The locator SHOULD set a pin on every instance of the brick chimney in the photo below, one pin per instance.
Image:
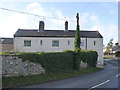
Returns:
(66, 26)
(41, 26)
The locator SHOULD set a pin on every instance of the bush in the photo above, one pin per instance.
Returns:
(53, 61)
(118, 54)
(90, 57)
(62, 61)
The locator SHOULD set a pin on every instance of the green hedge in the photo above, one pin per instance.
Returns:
(52, 62)
(62, 61)
(90, 57)
(118, 54)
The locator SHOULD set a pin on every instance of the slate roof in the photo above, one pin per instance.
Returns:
(55, 33)
(6, 40)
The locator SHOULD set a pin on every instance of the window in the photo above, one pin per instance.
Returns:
(94, 42)
(68, 42)
(55, 43)
(82, 44)
(27, 42)
(40, 42)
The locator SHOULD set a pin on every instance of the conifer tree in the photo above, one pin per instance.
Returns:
(77, 36)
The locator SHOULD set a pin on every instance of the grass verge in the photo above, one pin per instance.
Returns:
(109, 57)
(10, 82)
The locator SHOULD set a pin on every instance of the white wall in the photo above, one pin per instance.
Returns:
(119, 37)
(97, 47)
(63, 45)
(46, 44)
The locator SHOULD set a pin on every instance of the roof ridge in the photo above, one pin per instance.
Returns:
(55, 33)
(58, 30)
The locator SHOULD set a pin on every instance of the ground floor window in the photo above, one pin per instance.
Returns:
(27, 43)
(55, 43)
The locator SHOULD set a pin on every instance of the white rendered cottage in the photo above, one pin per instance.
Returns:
(40, 40)
(119, 37)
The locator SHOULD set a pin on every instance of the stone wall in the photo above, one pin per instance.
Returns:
(14, 66)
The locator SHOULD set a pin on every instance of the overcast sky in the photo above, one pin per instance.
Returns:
(100, 16)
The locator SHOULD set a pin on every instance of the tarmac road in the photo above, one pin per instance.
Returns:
(106, 78)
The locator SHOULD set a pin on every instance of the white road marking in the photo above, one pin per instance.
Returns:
(100, 84)
(118, 75)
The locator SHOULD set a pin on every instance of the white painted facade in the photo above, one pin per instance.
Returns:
(63, 45)
(119, 37)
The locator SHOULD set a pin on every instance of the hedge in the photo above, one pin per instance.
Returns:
(62, 61)
(52, 62)
(118, 54)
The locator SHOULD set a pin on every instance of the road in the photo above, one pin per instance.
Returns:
(106, 78)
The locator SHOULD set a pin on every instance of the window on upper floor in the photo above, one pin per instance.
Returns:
(82, 44)
(41, 42)
(27, 43)
(68, 42)
(55, 43)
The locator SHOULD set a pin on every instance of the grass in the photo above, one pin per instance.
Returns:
(109, 57)
(10, 82)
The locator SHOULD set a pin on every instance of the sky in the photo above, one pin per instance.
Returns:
(95, 16)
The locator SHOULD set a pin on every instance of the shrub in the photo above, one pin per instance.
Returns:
(62, 61)
(118, 54)
(90, 57)
(52, 61)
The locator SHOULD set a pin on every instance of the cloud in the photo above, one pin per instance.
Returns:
(36, 8)
(11, 24)
(108, 31)
(14, 21)
(85, 20)
(50, 22)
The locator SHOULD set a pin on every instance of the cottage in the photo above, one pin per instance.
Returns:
(41, 40)
(6, 45)
(119, 40)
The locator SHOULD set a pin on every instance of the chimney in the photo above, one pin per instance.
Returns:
(66, 26)
(41, 26)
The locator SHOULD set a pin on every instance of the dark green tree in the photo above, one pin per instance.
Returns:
(77, 36)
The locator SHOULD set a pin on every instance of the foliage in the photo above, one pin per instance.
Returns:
(62, 61)
(118, 54)
(77, 37)
(108, 57)
(90, 57)
(12, 53)
(52, 61)
(109, 46)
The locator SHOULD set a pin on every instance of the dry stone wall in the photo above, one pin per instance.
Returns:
(14, 66)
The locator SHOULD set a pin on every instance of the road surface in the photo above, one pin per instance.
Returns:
(106, 78)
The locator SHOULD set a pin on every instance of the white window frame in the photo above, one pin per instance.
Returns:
(27, 45)
(53, 41)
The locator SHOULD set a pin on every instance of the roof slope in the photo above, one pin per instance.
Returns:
(6, 40)
(56, 33)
